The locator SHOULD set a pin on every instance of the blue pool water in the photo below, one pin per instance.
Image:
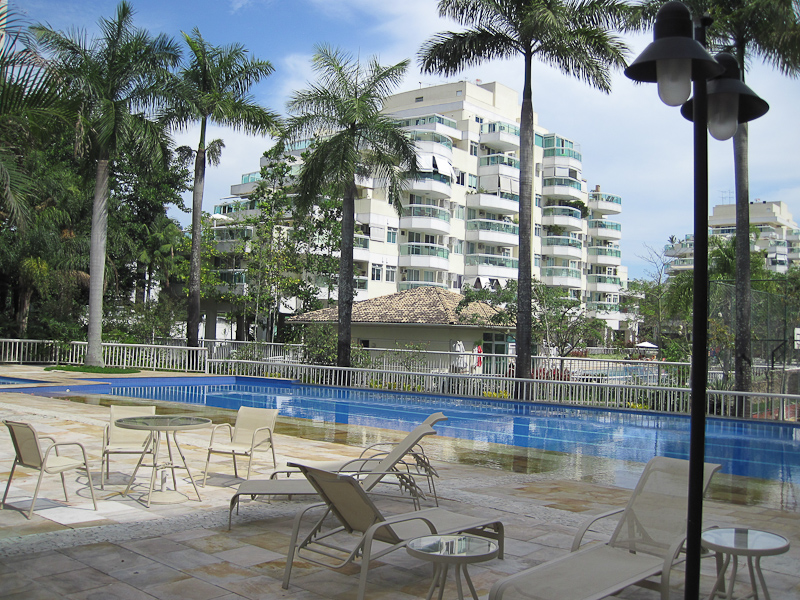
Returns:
(754, 449)
(16, 380)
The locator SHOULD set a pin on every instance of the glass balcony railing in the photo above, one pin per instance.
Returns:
(489, 225)
(431, 136)
(601, 197)
(561, 272)
(561, 211)
(424, 175)
(251, 177)
(359, 283)
(433, 212)
(500, 126)
(567, 152)
(491, 260)
(601, 251)
(500, 159)
(557, 240)
(419, 249)
(610, 279)
(603, 224)
(410, 285)
(562, 181)
(603, 306)
(361, 241)
(428, 120)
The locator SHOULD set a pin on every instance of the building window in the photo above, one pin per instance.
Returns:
(538, 200)
(472, 181)
(391, 273)
(537, 230)
(473, 149)
(459, 92)
(418, 99)
(391, 235)
(461, 178)
(478, 119)
(377, 272)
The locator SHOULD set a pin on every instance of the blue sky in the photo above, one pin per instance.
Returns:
(632, 144)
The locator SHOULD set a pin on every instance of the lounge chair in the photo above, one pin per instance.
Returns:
(29, 453)
(346, 500)
(117, 440)
(646, 542)
(372, 466)
(251, 433)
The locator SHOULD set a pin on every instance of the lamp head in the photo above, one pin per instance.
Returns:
(730, 101)
(674, 59)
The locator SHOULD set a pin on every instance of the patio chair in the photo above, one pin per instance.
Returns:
(347, 501)
(117, 440)
(372, 466)
(31, 454)
(251, 433)
(645, 543)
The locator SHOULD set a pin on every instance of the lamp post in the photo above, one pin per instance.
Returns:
(676, 59)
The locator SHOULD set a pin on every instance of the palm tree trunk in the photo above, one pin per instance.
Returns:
(526, 159)
(193, 308)
(24, 309)
(97, 265)
(346, 276)
(743, 359)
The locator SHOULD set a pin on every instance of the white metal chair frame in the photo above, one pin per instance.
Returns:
(46, 463)
(254, 445)
(112, 433)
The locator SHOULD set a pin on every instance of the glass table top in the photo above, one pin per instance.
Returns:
(466, 546)
(741, 540)
(163, 422)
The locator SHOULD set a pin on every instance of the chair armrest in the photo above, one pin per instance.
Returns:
(62, 445)
(106, 435)
(576, 542)
(214, 431)
(253, 444)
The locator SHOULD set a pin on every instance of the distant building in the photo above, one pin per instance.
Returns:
(459, 223)
(779, 236)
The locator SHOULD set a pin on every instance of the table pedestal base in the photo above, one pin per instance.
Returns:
(440, 579)
(756, 578)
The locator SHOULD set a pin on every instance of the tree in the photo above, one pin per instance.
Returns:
(215, 87)
(768, 30)
(353, 139)
(571, 36)
(117, 79)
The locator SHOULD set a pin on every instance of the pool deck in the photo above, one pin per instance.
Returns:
(127, 551)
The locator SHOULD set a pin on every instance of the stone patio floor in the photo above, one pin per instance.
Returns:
(175, 551)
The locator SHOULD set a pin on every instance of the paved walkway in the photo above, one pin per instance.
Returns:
(127, 551)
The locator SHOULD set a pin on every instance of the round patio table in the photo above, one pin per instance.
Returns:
(445, 550)
(729, 543)
(156, 425)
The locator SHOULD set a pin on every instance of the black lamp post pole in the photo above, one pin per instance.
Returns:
(694, 526)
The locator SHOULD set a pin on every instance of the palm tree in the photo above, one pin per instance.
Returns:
(767, 30)
(215, 87)
(116, 78)
(353, 139)
(570, 35)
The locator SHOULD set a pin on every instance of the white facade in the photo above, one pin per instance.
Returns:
(459, 224)
(778, 236)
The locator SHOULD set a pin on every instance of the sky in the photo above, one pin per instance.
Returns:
(633, 145)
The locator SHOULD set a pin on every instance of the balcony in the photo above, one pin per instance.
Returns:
(425, 256)
(562, 187)
(603, 255)
(603, 283)
(681, 264)
(605, 230)
(499, 165)
(561, 277)
(438, 123)
(491, 265)
(434, 185)
(602, 307)
(503, 203)
(496, 233)
(605, 204)
(361, 248)
(680, 248)
(426, 219)
(410, 285)
(562, 246)
(500, 136)
(565, 217)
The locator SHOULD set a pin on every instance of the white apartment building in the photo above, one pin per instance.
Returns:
(459, 223)
(779, 236)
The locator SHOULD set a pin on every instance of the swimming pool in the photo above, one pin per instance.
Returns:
(16, 380)
(753, 449)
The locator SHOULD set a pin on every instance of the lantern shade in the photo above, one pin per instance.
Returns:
(751, 106)
(673, 39)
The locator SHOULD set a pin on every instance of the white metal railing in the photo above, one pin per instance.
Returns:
(750, 405)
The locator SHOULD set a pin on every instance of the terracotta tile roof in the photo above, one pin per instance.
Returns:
(426, 305)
